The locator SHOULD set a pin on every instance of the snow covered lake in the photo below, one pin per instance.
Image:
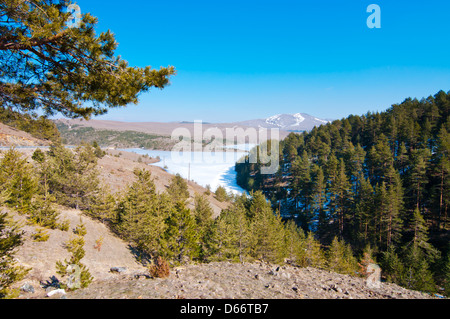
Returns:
(205, 168)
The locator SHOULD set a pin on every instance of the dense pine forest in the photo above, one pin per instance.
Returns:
(377, 182)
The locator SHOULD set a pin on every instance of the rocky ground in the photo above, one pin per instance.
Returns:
(224, 280)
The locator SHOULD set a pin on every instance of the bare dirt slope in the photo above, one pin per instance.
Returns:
(12, 137)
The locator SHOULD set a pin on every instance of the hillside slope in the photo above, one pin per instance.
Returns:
(10, 136)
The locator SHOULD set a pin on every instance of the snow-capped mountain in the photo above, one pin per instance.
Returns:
(288, 122)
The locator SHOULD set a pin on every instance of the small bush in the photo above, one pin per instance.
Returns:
(40, 236)
(160, 269)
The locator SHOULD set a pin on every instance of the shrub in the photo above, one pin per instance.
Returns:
(160, 269)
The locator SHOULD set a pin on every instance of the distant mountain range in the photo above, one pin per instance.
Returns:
(117, 133)
(287, 122)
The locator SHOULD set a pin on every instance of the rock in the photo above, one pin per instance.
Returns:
(118, 269)
(56, 292)
(27, 288)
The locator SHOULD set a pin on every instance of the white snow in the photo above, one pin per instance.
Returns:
(204, 168)
(273, 120)
(298, 119)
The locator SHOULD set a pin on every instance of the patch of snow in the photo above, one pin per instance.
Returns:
(273, 120)
(322, 121)
(298, 119)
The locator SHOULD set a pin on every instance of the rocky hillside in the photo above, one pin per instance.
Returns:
(12, 137)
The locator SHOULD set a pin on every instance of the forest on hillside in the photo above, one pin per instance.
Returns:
(380, 180)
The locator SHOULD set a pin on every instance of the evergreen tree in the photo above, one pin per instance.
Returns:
(267, 230)
(314, 256)
(231, 237)
(418, 176)
(178, 189)
(10, 239)
(340, 200)
(180, 236)
(392, 265)
(51, 66)
(221, 194)
(202, 211)
(17, 180)
(318, 200)
(73, 176)
(441, 171)
(420, 239)
(417, 273)
(141, 215)
(340, 258)
(75, 246)
(295, 243)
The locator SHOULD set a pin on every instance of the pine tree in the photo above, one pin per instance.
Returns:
(340, 258)
(178, 189)
(318, 200)
(295, 243)
(420, 239)
(202, 211)
(75, 246)
(231, 238)
(340, 200)
(10, 239)
(314, 256)
(392, 265)
(44, 214)
(441, 171)
(51, 66)
(418, 176)
(17, 180)
(180, 237)
(73, 176)
(267, 230)
(417, 273)
(221, 194)
(141, 215)
(363, 226)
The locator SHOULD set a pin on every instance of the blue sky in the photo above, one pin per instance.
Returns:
(240, 60)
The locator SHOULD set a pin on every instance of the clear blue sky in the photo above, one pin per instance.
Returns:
(239, 60)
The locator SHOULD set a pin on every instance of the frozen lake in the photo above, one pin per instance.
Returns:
(205, 168)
